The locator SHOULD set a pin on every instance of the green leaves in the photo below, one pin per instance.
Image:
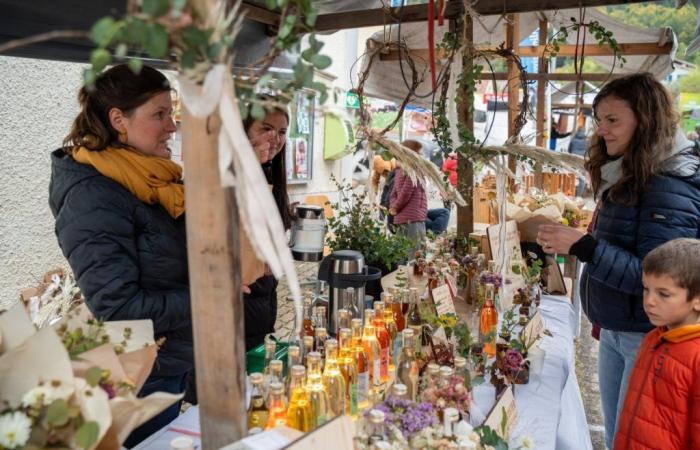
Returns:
(93, 376)
(99, 58)
(102, 31)
(155, 8)
(87, 434)
(157, 45)
(57, 413)
(321, 61)
(135, 65)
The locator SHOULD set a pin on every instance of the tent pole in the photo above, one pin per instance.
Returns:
(541, 107)
(512, 43)
(465, 168)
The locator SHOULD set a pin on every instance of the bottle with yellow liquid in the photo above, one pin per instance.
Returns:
(257, 411)
(300, 414)
(308, 347)
(333, 380)
(347, 366)
(384, 340)
(320, 344)
(277, 411)
(270, 349)
(293, 359)
(318, 396)
(359, 354)
(488, 320)
(371, 345)
(408, 372)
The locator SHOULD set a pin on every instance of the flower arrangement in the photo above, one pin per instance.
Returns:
(408, 416)
(50, 416)
(453, 394)
(53, 298)
(487, 277)
(572, 218)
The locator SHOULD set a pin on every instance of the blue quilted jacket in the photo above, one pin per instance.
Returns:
(611, 284)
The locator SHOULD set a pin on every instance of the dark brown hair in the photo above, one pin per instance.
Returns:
(118, 87)
(657, 121)
(276, 170)
(678, 259)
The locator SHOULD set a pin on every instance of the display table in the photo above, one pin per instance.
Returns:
(550, 410)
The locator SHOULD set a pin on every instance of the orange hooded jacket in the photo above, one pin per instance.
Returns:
(662, 406)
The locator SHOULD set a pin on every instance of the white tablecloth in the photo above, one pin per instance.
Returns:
(550, 410)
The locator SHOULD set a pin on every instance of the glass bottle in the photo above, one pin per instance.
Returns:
(359, 354)
(348, 369)
(394, 340)
(371, 345)
(413, 319)
(333, 379)
(308, 319)
(343, 319)
(321, 318)
(308, 343)
(473, 271)
(257, 411)
(446, 373)
(277, 411)
(350, 303)
(377, 428)
(399, 391)
(461, 368)
(384, 340)
(270, 349)
(399, 319)
(408, 372)
(299, 414)
(316, 390)
(293, 359)
(320, 343)
(432, 374)
(488, 320)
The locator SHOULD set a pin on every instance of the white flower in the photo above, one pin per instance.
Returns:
(14, 429)
(526, 442)
(48, 393)
(34, 397)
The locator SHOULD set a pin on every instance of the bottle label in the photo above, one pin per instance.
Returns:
(396, 351)
(376, 371)
(362, 387)
(353, 399)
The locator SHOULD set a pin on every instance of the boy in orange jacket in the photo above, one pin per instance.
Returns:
(662, 406)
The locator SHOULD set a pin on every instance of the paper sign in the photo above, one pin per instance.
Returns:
(337, 434)
(503, 412)
(452, 284)
(443, 300)
(512, 242)
(533, 330)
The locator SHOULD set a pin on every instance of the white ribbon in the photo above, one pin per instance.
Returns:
(239, 166)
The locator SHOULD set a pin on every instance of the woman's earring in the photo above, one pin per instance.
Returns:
(123, 136)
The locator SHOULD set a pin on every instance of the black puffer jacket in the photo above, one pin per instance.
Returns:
(129, 258)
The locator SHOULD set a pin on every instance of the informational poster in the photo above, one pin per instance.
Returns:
(299, 150)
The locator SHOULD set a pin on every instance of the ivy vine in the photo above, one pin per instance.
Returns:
(172, 30)
(603, 37)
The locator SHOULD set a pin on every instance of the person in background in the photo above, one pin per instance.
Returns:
(119, 206)
(645, 177)
(449, 166)
(579, 146)
(554, 134)
(409, 204)
(662, 405)
(268, 137)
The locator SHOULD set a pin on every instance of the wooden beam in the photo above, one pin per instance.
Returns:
(541, 119)
(215, 288)
(536, 51)
(598, 50)
(419, 13)
(382, 16)
(465, 167)
(260, 14)
(555, 76)
(571, 106)
(512, 41)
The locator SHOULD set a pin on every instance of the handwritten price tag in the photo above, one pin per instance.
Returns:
(443, 300)
(534, 329)
(504, 414)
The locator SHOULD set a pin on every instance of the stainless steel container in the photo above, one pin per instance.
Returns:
(308, 233)
(346, 274)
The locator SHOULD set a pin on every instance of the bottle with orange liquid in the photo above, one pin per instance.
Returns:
(348, 369)
(372, 348)
(488, 320)
(384, 339)
(394, 304)
(308, 320)
(277, 411)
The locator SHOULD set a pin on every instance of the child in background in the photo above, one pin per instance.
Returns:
(662, 405)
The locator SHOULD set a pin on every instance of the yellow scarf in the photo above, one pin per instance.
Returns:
(150, 178)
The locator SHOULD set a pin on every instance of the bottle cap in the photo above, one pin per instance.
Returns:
(298, 371)
(276, 388)
(256, 377)
(182, 443)
(399, 390)
(376, 416)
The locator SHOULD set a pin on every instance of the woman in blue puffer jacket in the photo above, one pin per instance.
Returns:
(646, 178)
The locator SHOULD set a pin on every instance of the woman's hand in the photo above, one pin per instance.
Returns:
(557, 238)
(261, 145)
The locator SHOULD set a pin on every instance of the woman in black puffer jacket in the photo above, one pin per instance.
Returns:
(646, 177)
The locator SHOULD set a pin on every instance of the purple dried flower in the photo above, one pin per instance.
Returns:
(492, 278)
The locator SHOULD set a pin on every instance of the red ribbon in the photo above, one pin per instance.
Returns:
(431, 41)
(441, 12)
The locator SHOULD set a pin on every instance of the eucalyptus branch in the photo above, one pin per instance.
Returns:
(43, 37)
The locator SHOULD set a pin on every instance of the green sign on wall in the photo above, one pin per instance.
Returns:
(352, 100)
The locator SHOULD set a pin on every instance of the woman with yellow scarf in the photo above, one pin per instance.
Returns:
(119, 206)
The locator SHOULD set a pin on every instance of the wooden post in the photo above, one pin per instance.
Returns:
(215, 287)
(465, 168)
(542, 68)
(513, 42)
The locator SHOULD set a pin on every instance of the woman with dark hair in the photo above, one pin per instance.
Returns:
(119, 206)
(646, 178)
(268, 137)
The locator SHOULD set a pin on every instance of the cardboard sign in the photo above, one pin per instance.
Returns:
(452, 284)
(512, 243)
(503, 412)
(534, 329)
(443, 300)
